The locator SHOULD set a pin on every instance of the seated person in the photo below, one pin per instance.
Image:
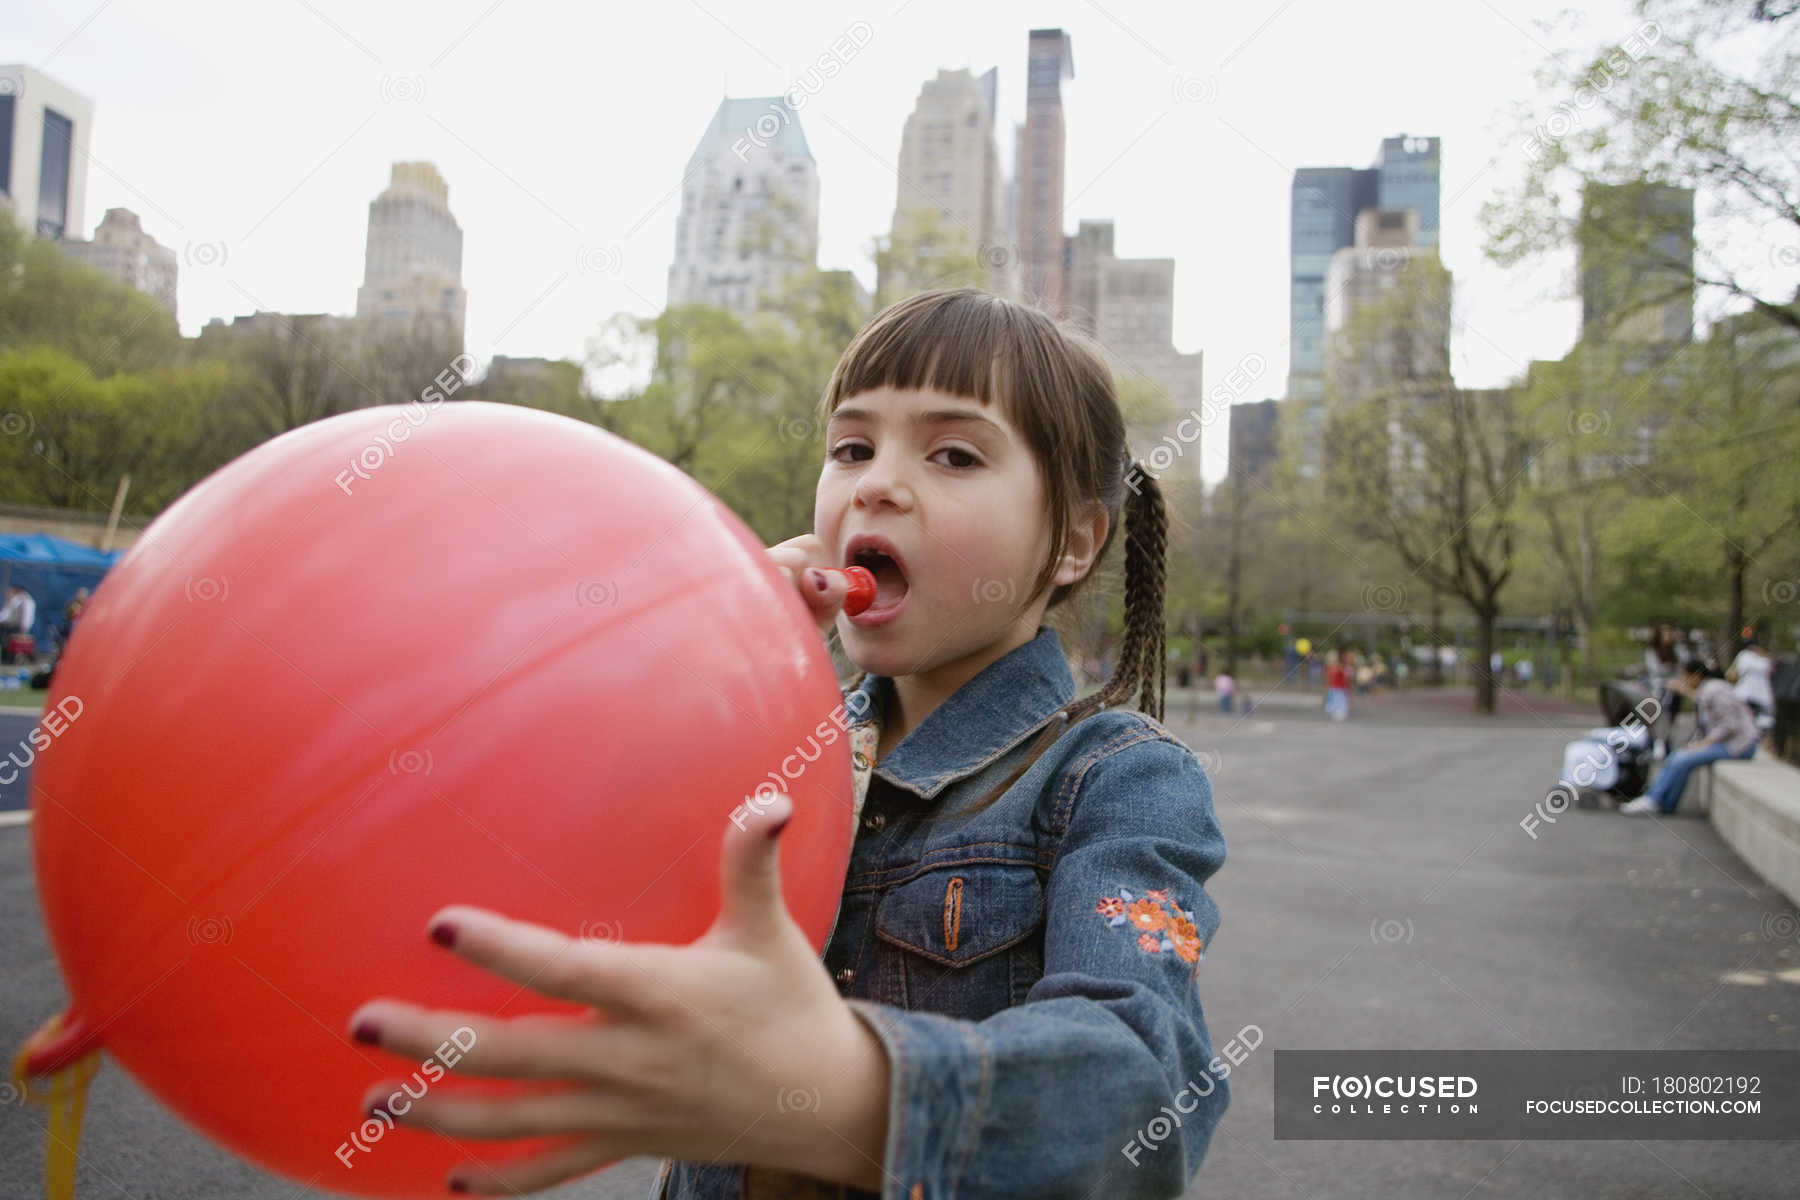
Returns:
(17, 616)
(1726, 730)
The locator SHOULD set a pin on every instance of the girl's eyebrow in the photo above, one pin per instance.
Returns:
(933, 416)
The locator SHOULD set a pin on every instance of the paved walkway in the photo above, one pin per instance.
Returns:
(1378, 893)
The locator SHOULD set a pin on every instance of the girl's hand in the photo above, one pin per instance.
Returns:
(824, 591)
(737, 1048)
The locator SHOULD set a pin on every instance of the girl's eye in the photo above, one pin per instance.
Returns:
(959, 459)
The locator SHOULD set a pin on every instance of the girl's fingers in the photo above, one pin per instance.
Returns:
(559, 1113)
(751, 907)
(824, 591)
(533, 1047)
(537, 1172)
(796, 554)
(611, 976)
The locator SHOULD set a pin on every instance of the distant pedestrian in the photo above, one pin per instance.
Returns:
(1663, 655)
(1525, 671)
(16, 619)
(1226, 687)
(1337, 688)
(71, 613)
(1309, 662)
(1751, 675)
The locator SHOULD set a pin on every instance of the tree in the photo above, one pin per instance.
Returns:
(1564, 409)
(392, 361)
(1415, 464)
(733, 401)
(922, 253)
(74, 434)
(1719, 486)
(294, 369)
(556, 387)
(1436, 477)
(1695, 97)
(49, 299)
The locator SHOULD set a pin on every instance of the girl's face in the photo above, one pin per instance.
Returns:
(950, 492)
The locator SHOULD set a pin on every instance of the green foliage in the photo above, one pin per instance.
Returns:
(73, 434)
(49, 299)
(1697, 97)
(734, 402)
(924, 253)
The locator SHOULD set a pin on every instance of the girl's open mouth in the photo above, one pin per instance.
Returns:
(891, 586)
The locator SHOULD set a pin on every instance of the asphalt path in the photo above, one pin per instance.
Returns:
(1378, 893)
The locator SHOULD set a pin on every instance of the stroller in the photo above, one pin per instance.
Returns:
(1611, 763)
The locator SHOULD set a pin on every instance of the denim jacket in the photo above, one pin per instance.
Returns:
(1032, 970)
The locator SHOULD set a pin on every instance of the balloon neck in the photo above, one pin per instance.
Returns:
(54, 1068)
(59, 1042)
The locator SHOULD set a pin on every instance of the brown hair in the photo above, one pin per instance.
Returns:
(1053, 385)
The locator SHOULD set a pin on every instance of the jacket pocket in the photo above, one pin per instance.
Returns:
(965, 941)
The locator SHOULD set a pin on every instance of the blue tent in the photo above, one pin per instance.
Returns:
(51, 569)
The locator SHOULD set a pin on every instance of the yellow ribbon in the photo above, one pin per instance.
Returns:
(65, 1096)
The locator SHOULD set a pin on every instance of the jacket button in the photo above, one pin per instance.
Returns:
(845, 975)
(876, 822)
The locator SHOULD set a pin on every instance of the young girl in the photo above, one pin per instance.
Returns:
(1008, 1003)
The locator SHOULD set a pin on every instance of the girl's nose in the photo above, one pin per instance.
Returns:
(882, 483)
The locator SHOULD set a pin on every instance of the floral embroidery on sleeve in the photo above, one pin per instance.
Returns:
(1161, 923)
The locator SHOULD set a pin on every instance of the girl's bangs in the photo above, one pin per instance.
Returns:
(963, 344)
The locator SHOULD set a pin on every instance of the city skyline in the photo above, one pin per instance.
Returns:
(1186, 150)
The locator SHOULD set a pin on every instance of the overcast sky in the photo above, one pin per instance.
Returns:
(251, 137)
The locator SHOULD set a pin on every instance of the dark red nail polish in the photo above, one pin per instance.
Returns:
(775, 830)
(820, 582)
(368, 1032)
(375, 1110)
(458, 1185)
(444, 934)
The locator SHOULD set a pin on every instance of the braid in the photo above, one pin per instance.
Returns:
(1143, 662)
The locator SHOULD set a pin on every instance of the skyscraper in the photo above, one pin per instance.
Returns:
(124, 251)
(1406, 176)
(1324, 206)
(1323, 221)
(1325, 203)
(749, 207)
(1128, 306)
(1253, 440)
(1402, 296)
(949, 177)
(1050, 59)
(44, 132)
(412, 264)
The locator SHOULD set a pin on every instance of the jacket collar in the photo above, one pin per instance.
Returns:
(1009, 699)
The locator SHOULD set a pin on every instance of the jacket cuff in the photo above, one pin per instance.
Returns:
(940, 1073)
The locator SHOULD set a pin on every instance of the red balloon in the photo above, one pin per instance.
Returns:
(392, 660)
